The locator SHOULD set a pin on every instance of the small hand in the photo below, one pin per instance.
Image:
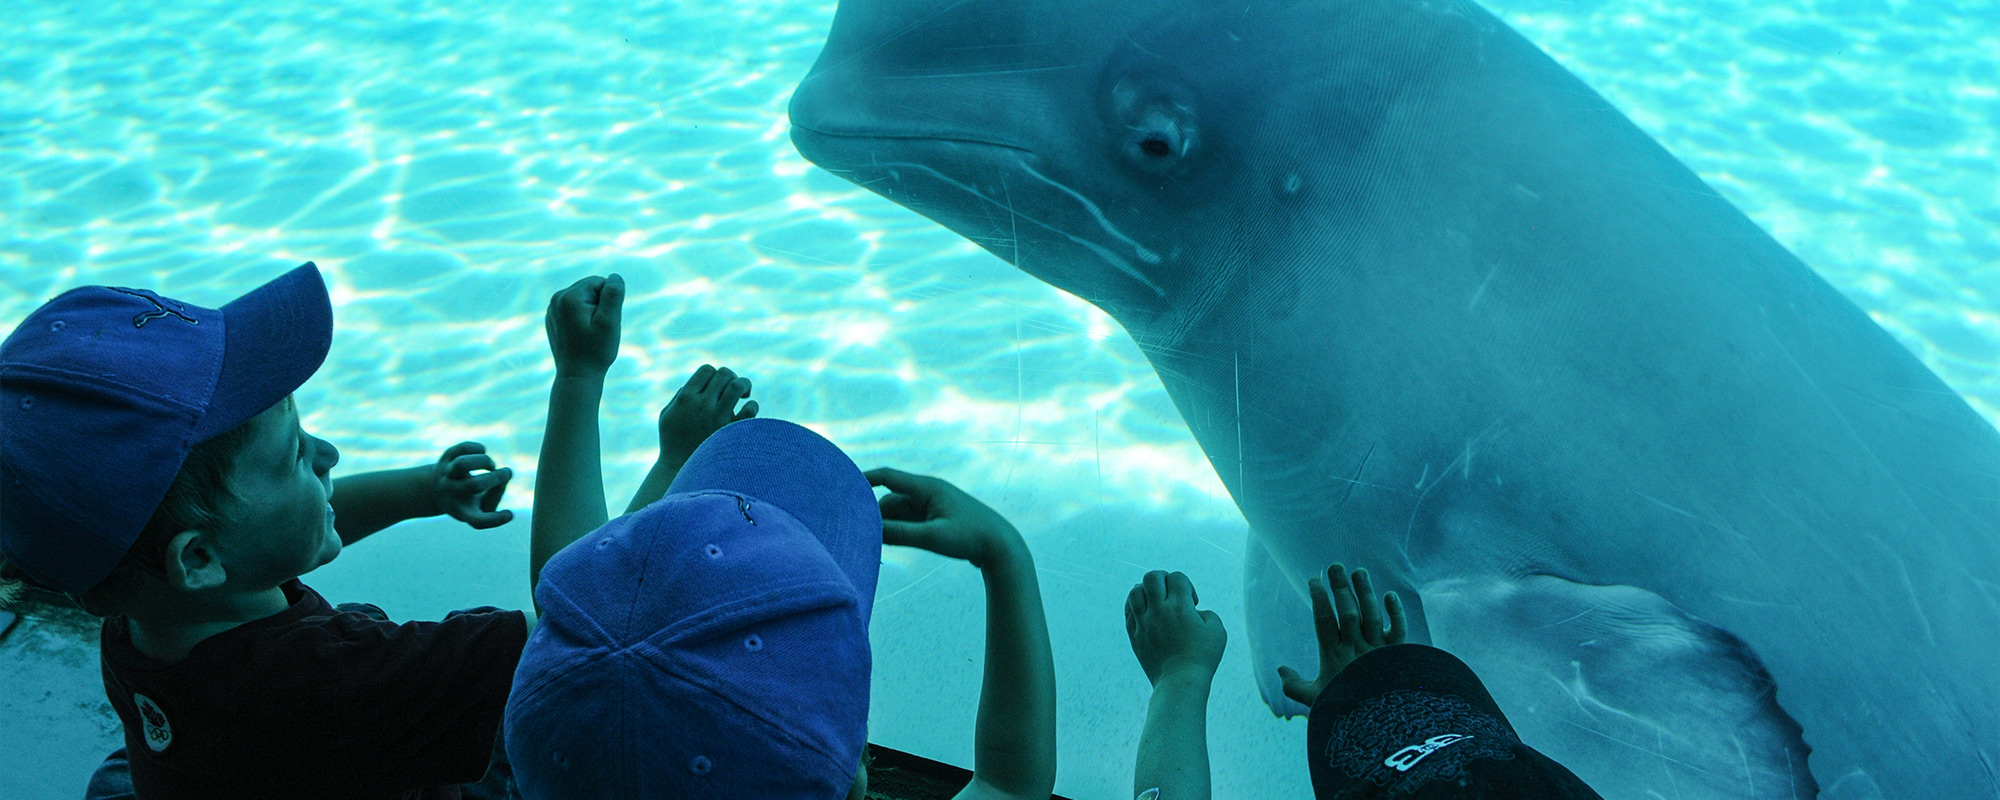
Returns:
(1348, 624)
(1168, 635)
(925, 512)
(582, 324)
(701, 408)
(468, 498)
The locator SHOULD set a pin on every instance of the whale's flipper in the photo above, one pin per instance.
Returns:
(1280, 627)
(1690, 709)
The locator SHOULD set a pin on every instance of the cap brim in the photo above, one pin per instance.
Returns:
(275, 337)
(788, 466)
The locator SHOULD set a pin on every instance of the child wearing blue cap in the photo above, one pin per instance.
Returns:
(713, 643)
(152, 465)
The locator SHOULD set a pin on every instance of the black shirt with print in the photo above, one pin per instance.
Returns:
(313, 702)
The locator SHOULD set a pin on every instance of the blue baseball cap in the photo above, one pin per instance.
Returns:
(713, 644)
(104, 390)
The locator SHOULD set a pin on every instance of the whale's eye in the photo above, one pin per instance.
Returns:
(1156, 121)
(1158, 136)
(1159, 139)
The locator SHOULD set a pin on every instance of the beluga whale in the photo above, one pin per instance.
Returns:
(1434, 307)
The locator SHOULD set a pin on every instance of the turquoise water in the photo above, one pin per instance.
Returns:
(451, 167)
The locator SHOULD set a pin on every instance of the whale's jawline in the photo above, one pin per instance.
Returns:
(880, 136)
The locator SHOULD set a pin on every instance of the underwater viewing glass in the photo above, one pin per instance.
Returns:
(1643, 348)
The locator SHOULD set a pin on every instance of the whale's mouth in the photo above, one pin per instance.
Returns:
(960, 181)
(866, 156)
(849, 105)
(970, 185)
(849, 136)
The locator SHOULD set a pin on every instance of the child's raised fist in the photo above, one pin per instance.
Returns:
(583, 323)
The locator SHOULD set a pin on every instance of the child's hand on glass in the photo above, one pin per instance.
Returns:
(1349, 623)
(701, 408)
(1169, 636)
(928, 513)
(583, 322)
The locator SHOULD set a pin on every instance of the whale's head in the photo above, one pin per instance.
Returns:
(1141, 154)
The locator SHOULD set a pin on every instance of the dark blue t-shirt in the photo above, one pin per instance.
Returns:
(313, 702)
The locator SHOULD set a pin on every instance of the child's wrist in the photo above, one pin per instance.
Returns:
(673, 457)
(1005, 550)
(1185, 679)
(427, 477)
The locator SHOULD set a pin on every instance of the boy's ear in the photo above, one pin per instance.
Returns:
(193, 563)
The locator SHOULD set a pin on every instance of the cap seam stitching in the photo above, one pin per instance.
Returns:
(705, 620)
(30, 372)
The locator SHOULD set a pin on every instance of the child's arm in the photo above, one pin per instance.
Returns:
(582, 324)
(1014, 745)
(1179, 648)
(1348, 623)
(702, 406)
(366, 503)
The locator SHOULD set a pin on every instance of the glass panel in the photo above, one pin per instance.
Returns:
(1430, 298)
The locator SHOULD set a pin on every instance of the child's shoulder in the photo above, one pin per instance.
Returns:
(353, 632)
(316, 642)
(365, 687)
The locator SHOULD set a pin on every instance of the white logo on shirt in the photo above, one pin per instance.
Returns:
(1408, 757)
(158, 733)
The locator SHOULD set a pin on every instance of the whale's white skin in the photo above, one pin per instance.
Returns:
(1435, 308)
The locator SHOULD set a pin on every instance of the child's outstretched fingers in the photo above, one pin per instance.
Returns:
(1344, 605)
(1349, 622)
(907, 517)
(469, 498)
(903, 503)
(1371, 614)
(731, 393)
(1326, 627)
(702, 406)
(1399, 625)
(929, 513)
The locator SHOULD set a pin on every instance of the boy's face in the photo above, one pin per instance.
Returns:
(278, 525)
